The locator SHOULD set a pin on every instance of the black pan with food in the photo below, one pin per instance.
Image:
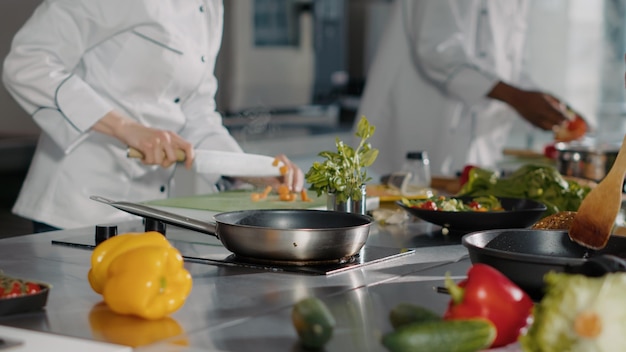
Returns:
(526, 255)
(517, 213)
(24, 303)
(290, 235)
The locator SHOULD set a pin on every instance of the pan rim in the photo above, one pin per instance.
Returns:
(366, 220)
(466, 240)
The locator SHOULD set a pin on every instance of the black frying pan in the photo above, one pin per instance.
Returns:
(293, 235)
(525, 255)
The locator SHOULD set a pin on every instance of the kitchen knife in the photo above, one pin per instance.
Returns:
(226, 163)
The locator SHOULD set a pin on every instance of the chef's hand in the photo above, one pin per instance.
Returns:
(293, 177)
(157, 146)
(540, 109)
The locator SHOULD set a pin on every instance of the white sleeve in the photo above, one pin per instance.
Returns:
(204, 127)
(435, 29)
(39, 69)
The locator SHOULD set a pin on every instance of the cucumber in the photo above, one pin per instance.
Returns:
(468, 335)
(406, 313)
(313, 322)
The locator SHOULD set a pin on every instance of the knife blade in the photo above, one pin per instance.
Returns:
(226, 163)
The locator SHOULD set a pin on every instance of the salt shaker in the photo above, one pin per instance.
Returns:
(417, 167)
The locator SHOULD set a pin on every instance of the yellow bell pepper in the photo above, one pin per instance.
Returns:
(107, 251)
(148, 281)
(140, 274)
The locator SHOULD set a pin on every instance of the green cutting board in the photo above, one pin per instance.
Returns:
(238, 200)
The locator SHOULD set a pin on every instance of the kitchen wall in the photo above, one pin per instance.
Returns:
(13, 120)
(245, 70)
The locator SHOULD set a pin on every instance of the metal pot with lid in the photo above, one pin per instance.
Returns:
(585, 159)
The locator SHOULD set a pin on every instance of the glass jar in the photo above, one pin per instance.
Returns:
(417, 169)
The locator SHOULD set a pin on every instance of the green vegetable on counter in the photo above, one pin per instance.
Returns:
(542, 183)
(407, 313)
(467, 335)
(579, 313)
(344, 172)
(313, 322)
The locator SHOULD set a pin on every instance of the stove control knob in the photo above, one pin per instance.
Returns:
(151, 224)
(104, 232)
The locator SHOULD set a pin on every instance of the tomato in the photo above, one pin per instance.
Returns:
(571, 130)
(428, 205)
(15, 290)
(465, 174)
(32, 287)
(475, 205)
(578, 124)
(549, 151)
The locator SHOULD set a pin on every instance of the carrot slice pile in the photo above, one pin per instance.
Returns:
(284, 194)
(255, 197)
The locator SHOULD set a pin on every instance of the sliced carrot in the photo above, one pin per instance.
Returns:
(283, 170)
(284, 197)
(275, 162)
(267, 191)
(255, 197)
(304, 196)
(283, 189)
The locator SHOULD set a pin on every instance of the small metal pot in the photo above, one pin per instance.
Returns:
(350, 205)
(591, 162)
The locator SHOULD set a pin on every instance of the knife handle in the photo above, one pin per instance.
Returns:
(136, 154)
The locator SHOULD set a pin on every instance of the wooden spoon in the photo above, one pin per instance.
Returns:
(593, 223)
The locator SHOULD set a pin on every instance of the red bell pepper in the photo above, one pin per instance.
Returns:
(487, 293)
(464, 177)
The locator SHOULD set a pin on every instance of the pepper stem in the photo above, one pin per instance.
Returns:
(163, 284)
(456, 292)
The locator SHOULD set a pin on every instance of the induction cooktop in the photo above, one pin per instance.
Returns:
(206, 249)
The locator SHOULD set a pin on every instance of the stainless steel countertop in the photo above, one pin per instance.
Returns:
(240, 309)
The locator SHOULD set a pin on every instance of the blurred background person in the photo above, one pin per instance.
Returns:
(449, 77)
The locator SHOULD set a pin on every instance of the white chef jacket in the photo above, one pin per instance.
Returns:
(427, 86)
(74, 60)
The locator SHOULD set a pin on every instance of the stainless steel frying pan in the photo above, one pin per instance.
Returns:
(296, 235)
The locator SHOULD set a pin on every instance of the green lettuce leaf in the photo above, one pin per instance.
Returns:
(542, 183)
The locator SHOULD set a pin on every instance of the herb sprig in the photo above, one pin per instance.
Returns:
(345, 171)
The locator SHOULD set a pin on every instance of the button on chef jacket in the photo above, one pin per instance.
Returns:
(426, 89)
(73, 61)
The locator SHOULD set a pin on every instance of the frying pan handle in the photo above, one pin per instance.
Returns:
(163, 216)
(600, 265)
